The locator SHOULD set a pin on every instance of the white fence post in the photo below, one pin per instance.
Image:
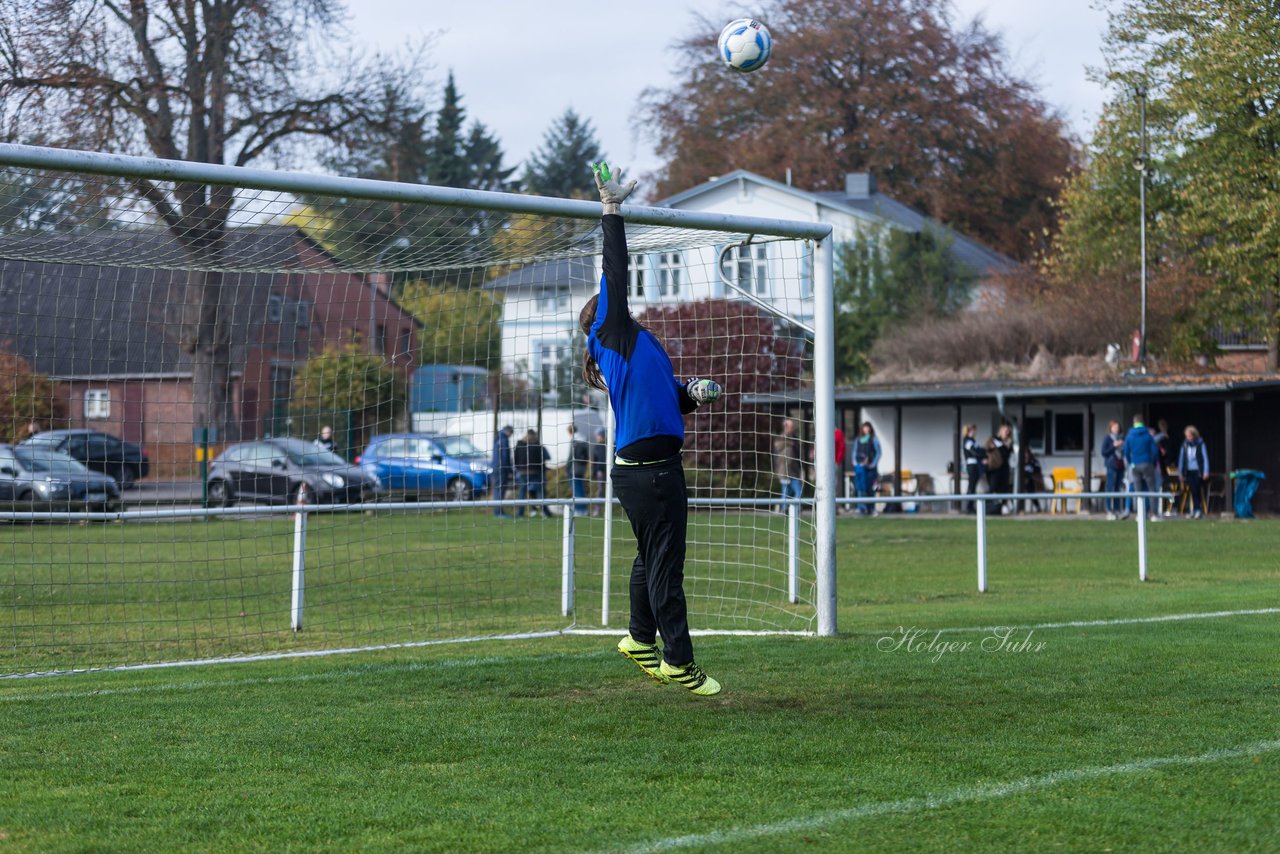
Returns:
(982, 545)
(1142, 538)
(566, 564)
(299, 558)
(793, 552)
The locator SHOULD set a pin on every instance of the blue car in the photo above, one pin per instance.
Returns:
(417, 465)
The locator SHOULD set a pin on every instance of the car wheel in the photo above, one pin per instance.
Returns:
(128, 477)
(220, 494)
(459, 490)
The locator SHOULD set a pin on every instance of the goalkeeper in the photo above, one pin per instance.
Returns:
(627, 361)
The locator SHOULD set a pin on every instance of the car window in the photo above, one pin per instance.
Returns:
(51, 462)
(304, 453)
(458, 446)
(258, 454)
(98, 446)
(421, 449)
(392, 448)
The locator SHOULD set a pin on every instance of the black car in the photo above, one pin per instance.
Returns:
(124, 461)
(44, 479)
(274, 470)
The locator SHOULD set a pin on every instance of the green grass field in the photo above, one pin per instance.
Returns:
(1135, 735)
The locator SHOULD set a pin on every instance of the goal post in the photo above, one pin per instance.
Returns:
(197, 340)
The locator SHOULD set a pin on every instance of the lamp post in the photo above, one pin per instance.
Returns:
(1141, 165)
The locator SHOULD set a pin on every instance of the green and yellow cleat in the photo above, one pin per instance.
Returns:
(692, 677)
(647, 657)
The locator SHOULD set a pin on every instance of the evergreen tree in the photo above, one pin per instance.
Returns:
(558, 168)
(447, 161)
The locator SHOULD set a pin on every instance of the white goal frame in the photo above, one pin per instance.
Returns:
(824, 502)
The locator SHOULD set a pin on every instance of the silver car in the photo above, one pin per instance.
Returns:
(44, 479)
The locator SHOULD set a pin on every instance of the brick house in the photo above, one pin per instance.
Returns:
(108, 333)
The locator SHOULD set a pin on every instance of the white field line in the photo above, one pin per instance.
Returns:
(1124, 621)
(705, 633)
(961, 795)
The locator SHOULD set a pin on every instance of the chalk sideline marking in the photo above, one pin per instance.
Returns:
(961, 795)
(1123, 621)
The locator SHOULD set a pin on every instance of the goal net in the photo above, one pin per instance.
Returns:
(252, 413)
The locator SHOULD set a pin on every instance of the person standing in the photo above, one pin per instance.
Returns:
(325, 440)
(1032, 476)
(1112, 451)
(866, 462)
(1166, 463)
(975, 459)
(531, 463)
(788, 463)
(599, 469)
(1193, 468)
(840, 456)
(999, 466)
(504, 470)
(576, 467)
(1142, 455)
(629, 363)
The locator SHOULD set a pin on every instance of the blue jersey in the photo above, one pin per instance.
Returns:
(648, 401)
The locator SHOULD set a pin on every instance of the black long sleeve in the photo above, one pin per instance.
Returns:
(618, 330)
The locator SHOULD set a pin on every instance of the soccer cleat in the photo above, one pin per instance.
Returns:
(692, 677)
(647, 657)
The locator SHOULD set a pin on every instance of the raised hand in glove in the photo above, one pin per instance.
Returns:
(612, 191)
(702, 391)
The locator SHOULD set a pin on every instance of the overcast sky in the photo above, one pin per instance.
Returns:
(519, 64)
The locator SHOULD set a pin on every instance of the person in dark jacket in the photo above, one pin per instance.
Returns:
(531, 465)
(1142, 455)
(1032, 475)
(975, 458)
(788, 462)
(866, 463)
(504, 471)
(1112, 451)
(1193, 468)
(999, 465)
(576, 467)
(599, 469)
(1168, 459)
(325, 440)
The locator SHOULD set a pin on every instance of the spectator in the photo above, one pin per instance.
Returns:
(1032, 476)
(1165, 467)
(999, 464)
(1142, 456)
(32, 428)
(1193, 468)
(975, 460)
(599, 469)
(531, 463)
(325, 440)
(840, 456)
(866, 460)
(576, 467)
(1112, 452)
(788, 463)
(504, 471)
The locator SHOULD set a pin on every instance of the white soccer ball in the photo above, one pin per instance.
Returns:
(745, 44)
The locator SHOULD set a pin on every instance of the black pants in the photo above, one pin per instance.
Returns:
(657, 504)
(975, 474)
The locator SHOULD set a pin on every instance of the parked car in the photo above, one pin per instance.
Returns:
(38, 478)
(274, 470)
(124, 461)
(414, 465)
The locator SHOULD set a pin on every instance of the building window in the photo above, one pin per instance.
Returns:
(1033, 433)
(302, 313)
(669, 264)
(554, 360)
(406, 340)
(1068, 432)
(555, 300)
(97, 403)
(275, 308)
(636, 274)
(748, 268)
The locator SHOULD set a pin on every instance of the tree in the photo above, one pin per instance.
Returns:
(347, 385)
(887, 277)
(1213, 170)
(220, 81)
(460, 325)
(25, 398)
(743, 349)
(559, 167)
(890, 87)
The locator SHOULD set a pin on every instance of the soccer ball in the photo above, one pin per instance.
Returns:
(745, 44)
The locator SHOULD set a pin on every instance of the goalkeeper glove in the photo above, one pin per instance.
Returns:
(612, 191)
(702, 391)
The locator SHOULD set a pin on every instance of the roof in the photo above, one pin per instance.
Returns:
(543, 274)
(923, 394)
(877, 207)
(69, 308)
